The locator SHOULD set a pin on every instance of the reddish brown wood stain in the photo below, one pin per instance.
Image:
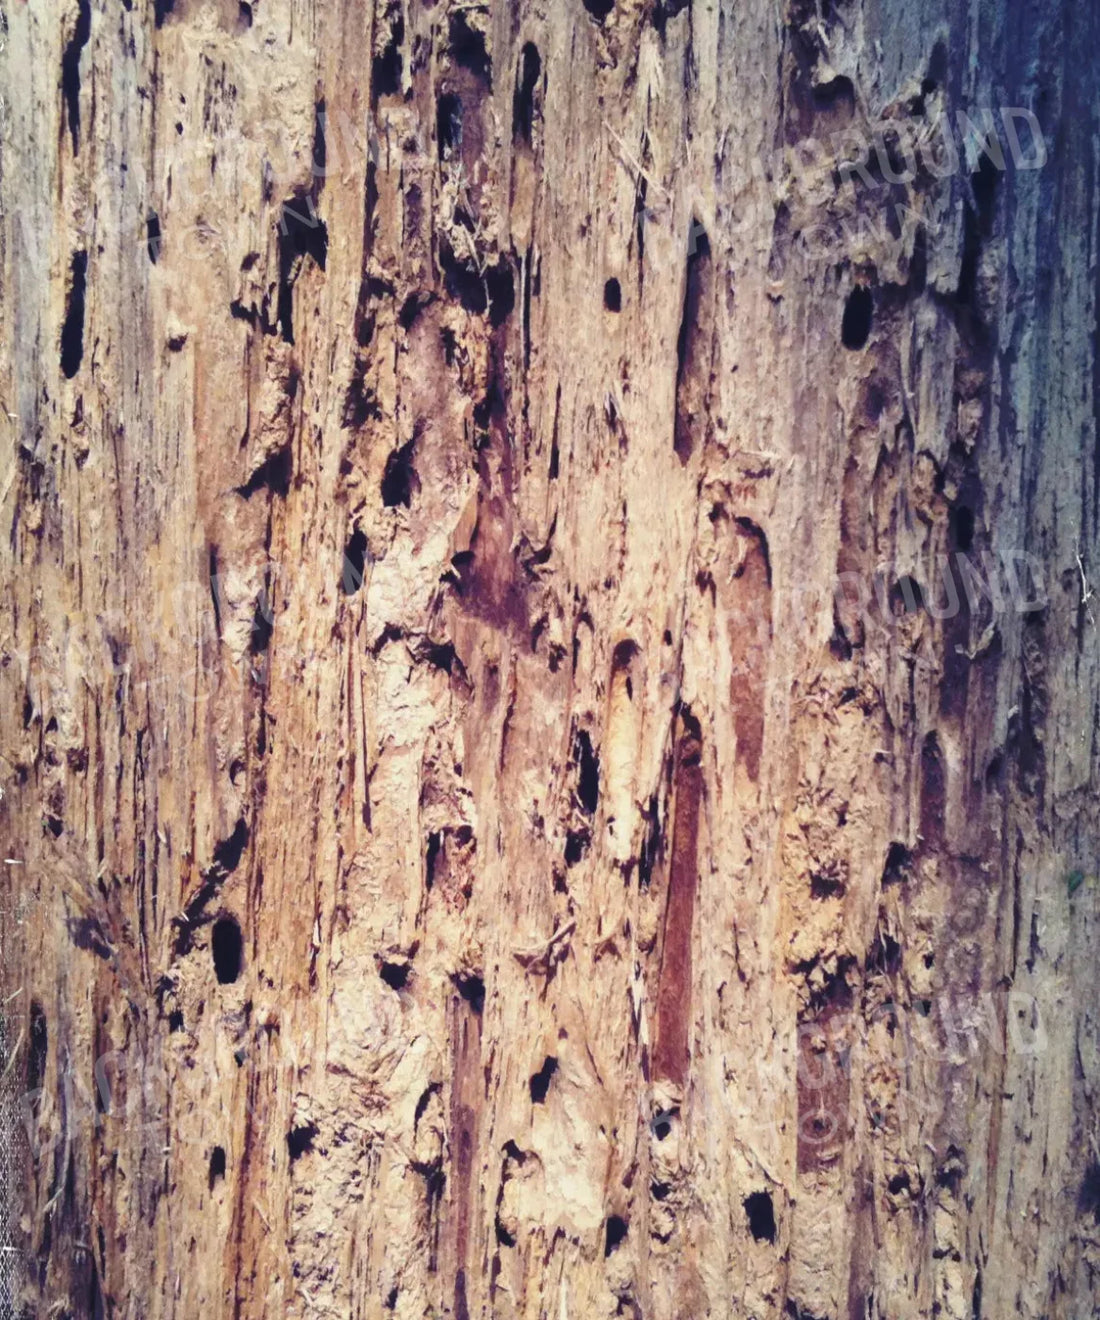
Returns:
(822, 1089)
(933, 792)
(673, 1047)
(466, 1053)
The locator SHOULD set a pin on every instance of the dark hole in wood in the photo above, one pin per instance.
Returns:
(431, 857)
(855, 326)
(360, 402)
(898, 861)
(395, 975)
(936, 74)
(576, 845)
(761, 1216)
(355, 560)
(398, 477)
(273, 474)
(435, 1180)
(95, 1306)
(884, 954)
(588, 772)
(300, 1140)
(977, 227)
(659, 1190)
(906, 596)
(599, 9)
(540, 1081)
(102, 1090)
(898, 1183)
(950, 1173)
(523, 101)
(614, 1232)
(175, 1020)
(613, 295)
(491, 290)
(663, 10)
(962, 527)
(837, 92)
(689, 336)
(651, 844)
(422, 1103)
(440, 655)
(839, 644)
(153, 236)
(320, 148)
(836, 992)
(227, 948)
(490, 404)
(244, 13)
(698, 250)
(472, 989)
(410, 310)
(302, 233)
(217, 1165)
(37, 1047)
(1088, 1198)
(623, 654)
(391, 1300)
(823, 885)
(448, 124)
(500, 288)
(263, 625)
(933, 792)
(72, 331)
(386, 67)
(70, 69)
(468, 47)
(228, 853)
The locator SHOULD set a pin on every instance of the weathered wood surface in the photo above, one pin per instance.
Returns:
(434, 450)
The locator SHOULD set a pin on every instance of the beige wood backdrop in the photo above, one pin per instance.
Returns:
(483, 488)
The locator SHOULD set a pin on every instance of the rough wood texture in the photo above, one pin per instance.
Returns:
(474, 861)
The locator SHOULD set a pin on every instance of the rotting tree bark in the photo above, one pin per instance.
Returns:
(474, 862)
